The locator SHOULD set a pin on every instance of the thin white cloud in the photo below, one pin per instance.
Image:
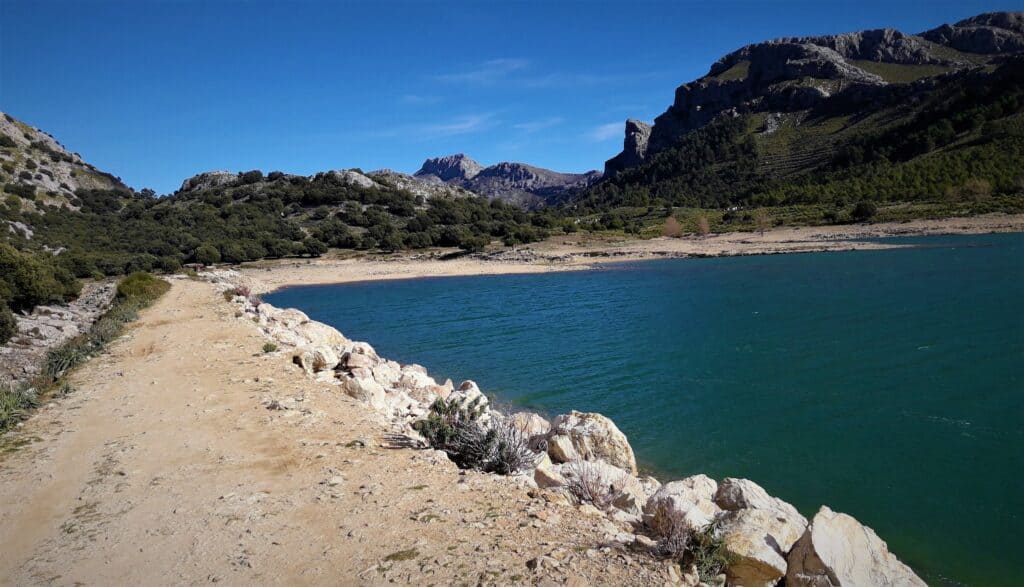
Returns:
(488, 72)
(519, 73)
(605, 132)
(461, 125)
(532, 126)
(418, 100)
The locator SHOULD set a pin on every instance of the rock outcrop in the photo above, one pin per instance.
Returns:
(837, 550)
(47, 327)
(737, 494)
(208, 180)
(634, 147)
(990, 33)
(452, 167)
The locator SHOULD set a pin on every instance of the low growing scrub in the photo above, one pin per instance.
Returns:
(245, 292)
(588, 484)
(707, 552)
(141, 287)
(16, 401)
(455, 427)
(269, 347)
(133, 293)
(8, 325)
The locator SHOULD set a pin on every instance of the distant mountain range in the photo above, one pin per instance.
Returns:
(519, 183)
(452, 176)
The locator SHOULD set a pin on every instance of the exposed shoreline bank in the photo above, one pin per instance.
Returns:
(765, 539)
(581, 252)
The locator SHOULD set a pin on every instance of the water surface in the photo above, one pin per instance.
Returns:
(887, 384)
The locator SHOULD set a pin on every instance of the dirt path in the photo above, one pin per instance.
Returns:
(165, 466)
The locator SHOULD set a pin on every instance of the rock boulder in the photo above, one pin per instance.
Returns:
(837, 550)
(757, 542)
(680, 505)
(591, 437)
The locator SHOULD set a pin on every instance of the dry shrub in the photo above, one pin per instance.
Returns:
(703, 225)
(673, 536)
(589, 483)
(672, 228)
(455, 428)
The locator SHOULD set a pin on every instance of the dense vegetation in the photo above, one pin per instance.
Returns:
(115, 232)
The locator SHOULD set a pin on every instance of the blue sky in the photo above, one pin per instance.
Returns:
(157, 91)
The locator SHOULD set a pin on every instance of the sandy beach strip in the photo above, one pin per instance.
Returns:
(574, 252)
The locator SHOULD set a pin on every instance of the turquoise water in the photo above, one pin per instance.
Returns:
(886, 384)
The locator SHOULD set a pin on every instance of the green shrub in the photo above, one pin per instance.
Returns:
(707, 551)
(21, 189)
(864, 211)
(269, 347)
(207, 254)
(141, 286)
(27, 280)
(15, 404)
(8, 325)
(7, 142)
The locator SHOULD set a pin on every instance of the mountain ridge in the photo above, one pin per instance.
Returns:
(519, 183)
(789, 74)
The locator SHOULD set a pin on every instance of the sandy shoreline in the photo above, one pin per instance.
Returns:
(580, 252)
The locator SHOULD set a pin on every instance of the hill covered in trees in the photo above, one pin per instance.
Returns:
(48, 238)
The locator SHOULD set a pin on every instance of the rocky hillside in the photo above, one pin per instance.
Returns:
(814, 126)
(40, 171)
(524, 185)
(785, 77)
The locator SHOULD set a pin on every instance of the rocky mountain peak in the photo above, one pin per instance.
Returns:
(989, 33)
(452, 167)
(510, 181)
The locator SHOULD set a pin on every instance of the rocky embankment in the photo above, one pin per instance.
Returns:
(585, 458)
(48, 326)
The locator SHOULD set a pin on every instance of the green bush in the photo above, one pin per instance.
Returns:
(15, 404)
(8, 326)
(21, 189)
(207, 254)
(141, 286)
(864, 211)
(269, 347)
(707, 551)
(27, 280)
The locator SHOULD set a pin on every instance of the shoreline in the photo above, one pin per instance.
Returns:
(575, 252)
